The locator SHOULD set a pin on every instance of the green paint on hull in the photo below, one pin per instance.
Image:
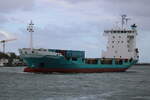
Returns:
(59, 62)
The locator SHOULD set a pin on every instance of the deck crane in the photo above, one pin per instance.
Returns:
(4, 41)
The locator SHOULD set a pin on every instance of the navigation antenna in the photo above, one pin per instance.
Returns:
(123, 19)
(127, 19)
(31, 30)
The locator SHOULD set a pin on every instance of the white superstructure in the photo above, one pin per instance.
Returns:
(121, 42)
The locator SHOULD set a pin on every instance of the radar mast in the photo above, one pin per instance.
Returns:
(31, 30)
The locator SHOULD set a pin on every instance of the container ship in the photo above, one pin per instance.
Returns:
(121, 54)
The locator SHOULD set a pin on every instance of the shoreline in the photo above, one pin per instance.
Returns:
(144, 64)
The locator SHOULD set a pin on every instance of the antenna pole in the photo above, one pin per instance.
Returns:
(123, 19)
(4, 47)
(31, 30)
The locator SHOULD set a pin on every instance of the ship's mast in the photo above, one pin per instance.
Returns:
(124, 20)
(31, 30)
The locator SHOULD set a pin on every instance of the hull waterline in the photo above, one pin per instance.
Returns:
(66, 70)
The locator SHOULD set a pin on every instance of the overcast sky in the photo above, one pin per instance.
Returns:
(72, 24)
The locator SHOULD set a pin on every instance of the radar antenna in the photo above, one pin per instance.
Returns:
(127, 19)
(123, 20)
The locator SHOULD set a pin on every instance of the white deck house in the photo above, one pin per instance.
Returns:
(121, 43)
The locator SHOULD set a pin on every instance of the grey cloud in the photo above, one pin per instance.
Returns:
(138, 10)
(10, 5)
(73, 37)
(3, 19)
(76, 1)
(69, 30)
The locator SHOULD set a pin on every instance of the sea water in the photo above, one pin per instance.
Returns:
(134, 84)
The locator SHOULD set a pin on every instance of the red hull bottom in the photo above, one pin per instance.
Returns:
(96, 70)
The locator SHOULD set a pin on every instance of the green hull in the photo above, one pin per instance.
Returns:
(60, 64)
